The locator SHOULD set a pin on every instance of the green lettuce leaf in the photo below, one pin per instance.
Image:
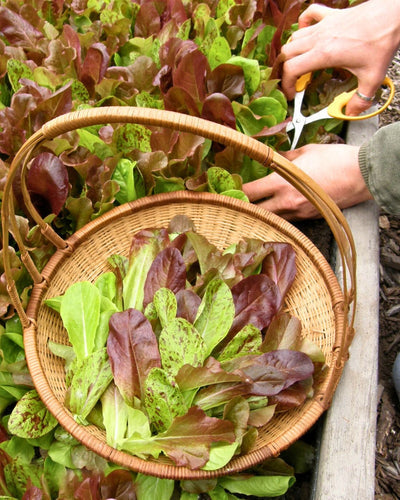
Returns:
(80, 312)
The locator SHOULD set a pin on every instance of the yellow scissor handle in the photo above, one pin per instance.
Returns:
(335, 109)
(303, 81)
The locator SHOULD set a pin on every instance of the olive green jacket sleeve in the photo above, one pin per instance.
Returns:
(379, 161)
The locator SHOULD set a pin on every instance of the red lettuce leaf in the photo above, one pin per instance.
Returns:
(190, 75)
(94, 66)
(188, 439)
(188, 303)
(218, 108)
(227, 79)
(210, 257)
(215, 395)
(284, 14)
(168, 270)
(118, 485)
(48, 178)
(147, 20)
(289, 398)
(249, 255)
(191, 377)
(47, 182)
(178, 99)
(155, 18)
(280, 266)
(48, 104)
(133, 351)
(18, 31)
(146, 237)
(257, 299)
(89, 488)
(284, 332)
(274, 371)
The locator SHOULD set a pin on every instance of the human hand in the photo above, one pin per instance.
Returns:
(333, 166)
(361, 39)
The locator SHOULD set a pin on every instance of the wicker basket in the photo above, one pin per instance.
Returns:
(315, 298)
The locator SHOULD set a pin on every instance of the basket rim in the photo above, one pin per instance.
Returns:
(316, 407)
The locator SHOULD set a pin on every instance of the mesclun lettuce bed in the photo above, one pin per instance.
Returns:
(217, 61)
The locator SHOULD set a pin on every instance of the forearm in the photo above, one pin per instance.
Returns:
(379, 161)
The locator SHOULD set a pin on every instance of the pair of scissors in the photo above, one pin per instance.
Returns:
(334, 110)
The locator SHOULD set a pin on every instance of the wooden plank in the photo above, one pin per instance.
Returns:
(346, 458)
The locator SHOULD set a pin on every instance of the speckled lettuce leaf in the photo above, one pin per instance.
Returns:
(165, 306)
(220, 180)
(247, 341)
(30, 418)
(90, 379)
(163, 399)
(180, 343)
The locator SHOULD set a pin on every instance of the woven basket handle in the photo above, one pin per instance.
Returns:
(180, 122)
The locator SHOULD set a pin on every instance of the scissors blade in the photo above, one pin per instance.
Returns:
(300, 121)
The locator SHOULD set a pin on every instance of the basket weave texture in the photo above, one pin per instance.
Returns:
(315, 297)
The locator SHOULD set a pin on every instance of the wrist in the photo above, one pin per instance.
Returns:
(388, 18)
